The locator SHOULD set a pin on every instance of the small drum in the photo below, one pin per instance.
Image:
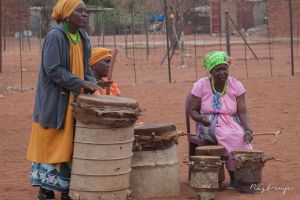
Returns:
(211, 150)
(153, 136)
(155, 171)
(102, 147)
(204, 175)
(214, 150)
(248, 165)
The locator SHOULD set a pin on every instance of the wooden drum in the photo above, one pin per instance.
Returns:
(102, 147)
(214, 150)
(248, 165)
(204, 176)
(155, 171)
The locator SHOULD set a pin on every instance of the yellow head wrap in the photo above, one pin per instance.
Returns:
(99, 54)
(64, 8)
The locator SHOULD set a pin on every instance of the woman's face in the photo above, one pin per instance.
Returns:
(101, 68)
(79, 17)
(220, 72)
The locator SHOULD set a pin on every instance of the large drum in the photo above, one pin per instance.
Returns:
(248, 165)
(102, 147)
(214, 150)
(155, 171)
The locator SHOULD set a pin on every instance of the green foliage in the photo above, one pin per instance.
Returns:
(104, 3)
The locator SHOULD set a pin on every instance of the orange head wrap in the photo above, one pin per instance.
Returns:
(99, 54)
(64, 8)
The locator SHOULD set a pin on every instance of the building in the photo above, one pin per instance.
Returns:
(279, 17)
(208, 16)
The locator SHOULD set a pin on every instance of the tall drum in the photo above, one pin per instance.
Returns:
(102, 147)
(155, 171)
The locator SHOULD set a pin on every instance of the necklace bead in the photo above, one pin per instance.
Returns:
(74, 41)
(214, 89)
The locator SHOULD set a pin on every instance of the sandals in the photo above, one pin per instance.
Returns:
(48, 196)
(232, 186)
(45, 194)
(65, 196)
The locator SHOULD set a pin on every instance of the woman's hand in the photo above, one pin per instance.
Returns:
(248, 136)
(104, 84)
(205, 121)
(91, 86)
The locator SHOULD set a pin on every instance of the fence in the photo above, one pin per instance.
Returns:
(142, 45)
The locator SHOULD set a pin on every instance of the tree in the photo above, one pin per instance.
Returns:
(104, 3)
(45, 12)
(175, 13)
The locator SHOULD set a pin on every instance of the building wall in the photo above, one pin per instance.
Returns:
(10, 18)
(260, 13)
(279, 17)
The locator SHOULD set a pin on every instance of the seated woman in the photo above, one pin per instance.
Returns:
(218, 106)
(99, 63)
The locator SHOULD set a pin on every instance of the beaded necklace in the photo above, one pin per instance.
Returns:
(214, 89)
(74, 41)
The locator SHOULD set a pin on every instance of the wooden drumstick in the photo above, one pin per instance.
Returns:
(111, 68)
(269, 133)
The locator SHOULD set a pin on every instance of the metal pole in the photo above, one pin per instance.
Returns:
(147, 37)
(20, 46)
(269, 41)
(220, 20)
(292, 37)
(133, 50)
(227, 32)
(97, 20)
(246, 63)
(196, 69)
(102, 28)
(167, 35)
(297, 39)
(0, 36)
(4, 38)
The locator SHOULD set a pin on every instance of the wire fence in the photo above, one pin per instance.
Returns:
(142, 45)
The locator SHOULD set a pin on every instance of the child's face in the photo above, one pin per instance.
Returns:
(101, 68)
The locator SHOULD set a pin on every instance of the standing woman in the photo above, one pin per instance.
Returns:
(64, 73)
(218, 106)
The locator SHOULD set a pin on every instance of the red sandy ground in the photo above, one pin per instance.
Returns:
(273, 103)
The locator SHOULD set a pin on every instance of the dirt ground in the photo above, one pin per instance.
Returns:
(273, 104)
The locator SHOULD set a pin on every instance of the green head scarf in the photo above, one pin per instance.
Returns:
(215, 58)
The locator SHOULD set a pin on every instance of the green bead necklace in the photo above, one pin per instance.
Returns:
(214, 89)
(74, 41)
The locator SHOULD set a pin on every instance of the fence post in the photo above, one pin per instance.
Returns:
(292, 37)
(168, 47)
(0, 36)
(227, 32)
(20, 46)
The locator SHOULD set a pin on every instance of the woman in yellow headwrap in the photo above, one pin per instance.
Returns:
(99, 63)
(64, 73)
(218, 106)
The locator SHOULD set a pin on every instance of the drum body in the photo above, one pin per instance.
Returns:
(214, 150)
(204, 173)
(155, 171)
(248, 165)
(102, 151)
